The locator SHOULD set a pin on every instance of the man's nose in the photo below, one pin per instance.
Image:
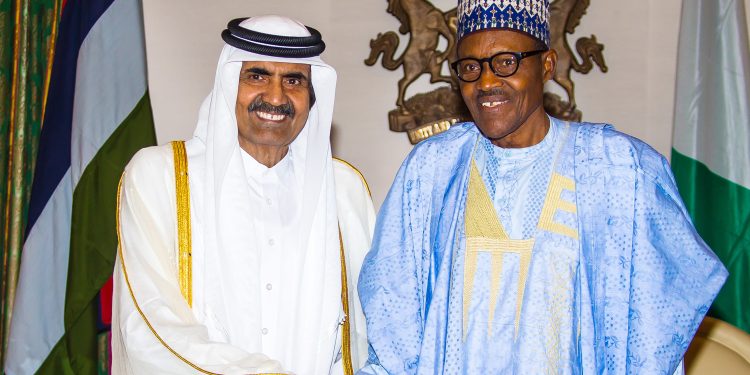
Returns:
(488, 79)
(275, 94)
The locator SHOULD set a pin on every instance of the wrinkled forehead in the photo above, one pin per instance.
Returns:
(275, 68)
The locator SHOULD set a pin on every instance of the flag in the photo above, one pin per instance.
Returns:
(97, 116)
(711, 142)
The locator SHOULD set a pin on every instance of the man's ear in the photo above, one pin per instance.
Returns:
(549, 64)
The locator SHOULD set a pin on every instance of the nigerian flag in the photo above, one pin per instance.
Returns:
(97, 116)
(711, 147)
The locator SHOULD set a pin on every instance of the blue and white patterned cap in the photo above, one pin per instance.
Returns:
(527, 16)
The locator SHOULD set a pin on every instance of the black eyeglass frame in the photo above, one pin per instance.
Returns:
(518, 55)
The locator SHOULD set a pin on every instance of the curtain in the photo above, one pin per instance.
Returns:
(27, 36)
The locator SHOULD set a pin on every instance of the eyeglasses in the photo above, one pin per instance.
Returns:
(503, 64)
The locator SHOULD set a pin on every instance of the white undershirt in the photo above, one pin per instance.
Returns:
(271, 191)
(517, 179)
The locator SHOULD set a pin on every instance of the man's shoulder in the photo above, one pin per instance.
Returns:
(444, 149)
(152, 158)
(602, 143)
(347, 176)
(353, 196)
(148, 166)
(457, 134)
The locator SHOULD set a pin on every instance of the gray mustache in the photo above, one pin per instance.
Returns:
(492, 92)
(259, 105)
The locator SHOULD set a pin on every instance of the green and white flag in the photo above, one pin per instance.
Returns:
(711, 146)
(97, 116)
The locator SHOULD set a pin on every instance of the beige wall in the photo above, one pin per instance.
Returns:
(183, 44)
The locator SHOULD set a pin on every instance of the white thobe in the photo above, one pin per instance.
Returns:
(169, 337)
(272, 192)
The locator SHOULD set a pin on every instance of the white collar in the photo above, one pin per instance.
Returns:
(254, 170)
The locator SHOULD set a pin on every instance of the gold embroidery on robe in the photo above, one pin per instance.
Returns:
(485, 234)
(184, 235)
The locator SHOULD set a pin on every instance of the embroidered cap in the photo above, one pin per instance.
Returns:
(527, 16)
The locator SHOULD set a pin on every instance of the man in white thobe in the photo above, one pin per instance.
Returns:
(250, 265)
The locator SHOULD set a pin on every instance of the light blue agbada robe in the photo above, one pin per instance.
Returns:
(642, 277)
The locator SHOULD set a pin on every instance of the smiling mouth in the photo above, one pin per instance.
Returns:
(270, 116)
(494, 104)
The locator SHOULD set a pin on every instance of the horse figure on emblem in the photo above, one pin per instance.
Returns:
(426, 23)
(565, 16)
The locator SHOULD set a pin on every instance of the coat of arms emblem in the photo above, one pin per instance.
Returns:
(426, 114)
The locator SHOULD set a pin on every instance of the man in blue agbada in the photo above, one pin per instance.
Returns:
(523, 244)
